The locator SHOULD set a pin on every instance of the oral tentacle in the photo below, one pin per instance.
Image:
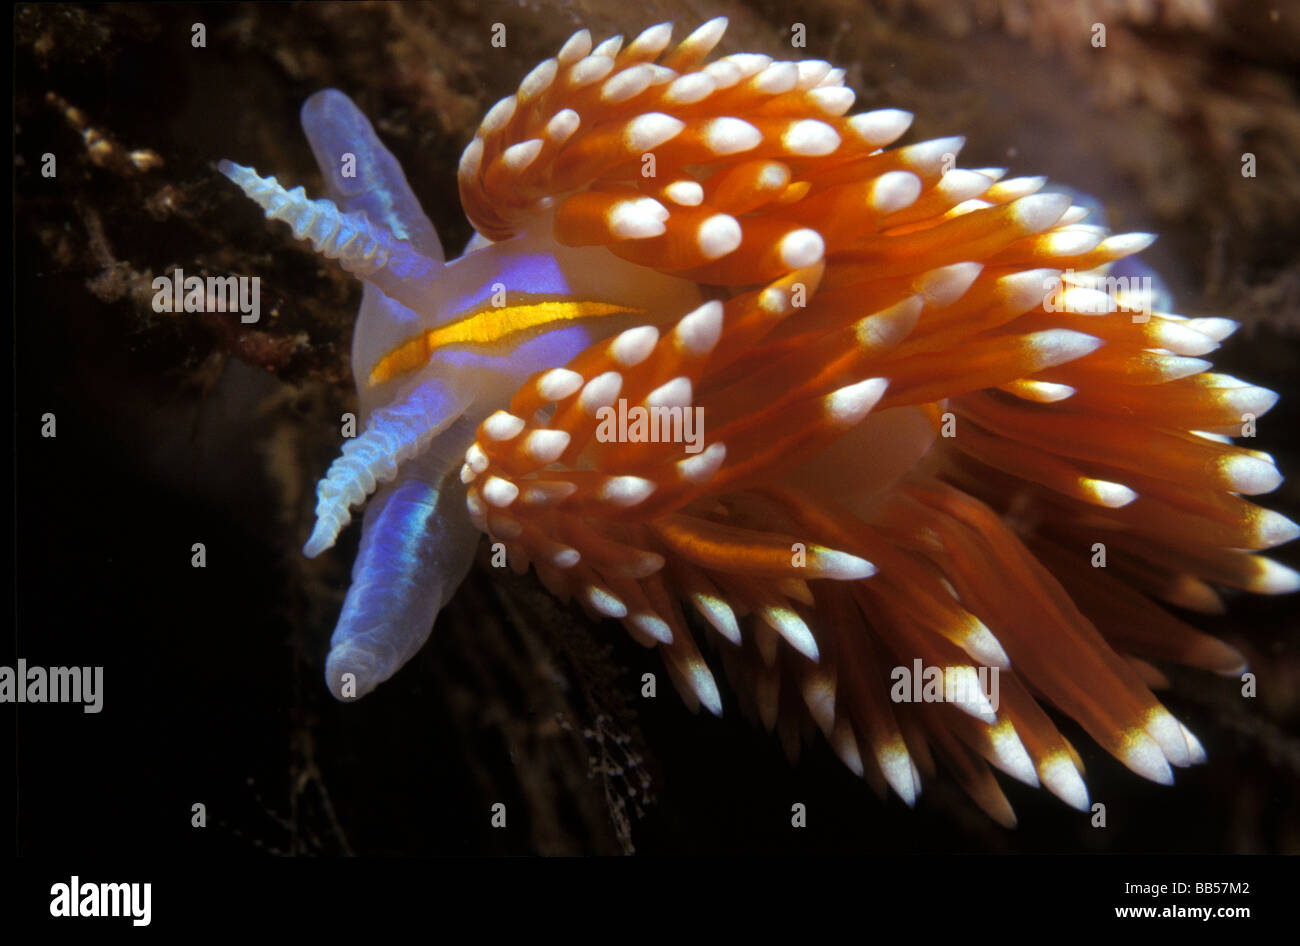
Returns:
(393, 435)
(361, 175)
(417, 544)
(362, 247)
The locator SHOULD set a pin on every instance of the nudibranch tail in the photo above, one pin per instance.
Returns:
(905, 438)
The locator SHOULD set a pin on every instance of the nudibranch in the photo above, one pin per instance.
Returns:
(933, 433)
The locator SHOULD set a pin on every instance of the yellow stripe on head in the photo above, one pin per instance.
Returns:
(484, 329)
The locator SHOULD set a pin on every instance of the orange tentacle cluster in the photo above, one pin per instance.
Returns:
(846, 281)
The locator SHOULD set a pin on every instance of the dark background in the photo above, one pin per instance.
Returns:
(179, 429)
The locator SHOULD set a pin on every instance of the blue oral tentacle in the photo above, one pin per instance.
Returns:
(335, 127)
(416, 547)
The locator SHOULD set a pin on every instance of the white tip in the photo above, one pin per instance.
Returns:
(1072, 242)
(1143, 755)
(1017, 187)
(600, 391)
(810, 138)
(881, 127)
(1079, 300)
(1250, 399)
(546, 445)
(470, 159)
(563, 557)
(1112, 495)
(591, 69)
(498, 115)
(719, 614)
(651, 130)
(982, 645)
(749, 63)
(730, 136)
(476, 459)
(1168, 734)
(1037, 212)
(634, 346)
(1250, 475)
(1062, 779)
(960, 184)
(1195, 751)
(690, 88)
(699, 469)
(896, 765)
(1021, 292)
(498, 492)
(559, 383)
(605, 602)
(833, 100)
(848, 405)
(547, 493)
(1216, 328)
(636, 219)
(519, 156)
(652, 40)
(626, 84)
(1273, 528)
(625, 491)
(811, 72)
(653, 626)
(685, 193)
(1010, 754)
(577, 47)
(961, 688)
(1126, 244)
(840, 566)
(1176, 337)
(537, 81)
(705, 687)
(1058, 345)
(562, 125)
(718, 236)
(698, 332)
(674, 393)
(792, 627)
(1273, 578)
(833, 77)
(776, 79)
(706, 36)
(800, 248)
(893, 191)
(503, 426)
(932, 158)
(945, 285)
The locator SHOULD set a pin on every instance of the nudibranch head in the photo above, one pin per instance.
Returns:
(876, 420)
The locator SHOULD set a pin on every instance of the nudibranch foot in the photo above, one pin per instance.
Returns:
(914, 449)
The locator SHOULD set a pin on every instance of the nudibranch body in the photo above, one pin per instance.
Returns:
(931, 437)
